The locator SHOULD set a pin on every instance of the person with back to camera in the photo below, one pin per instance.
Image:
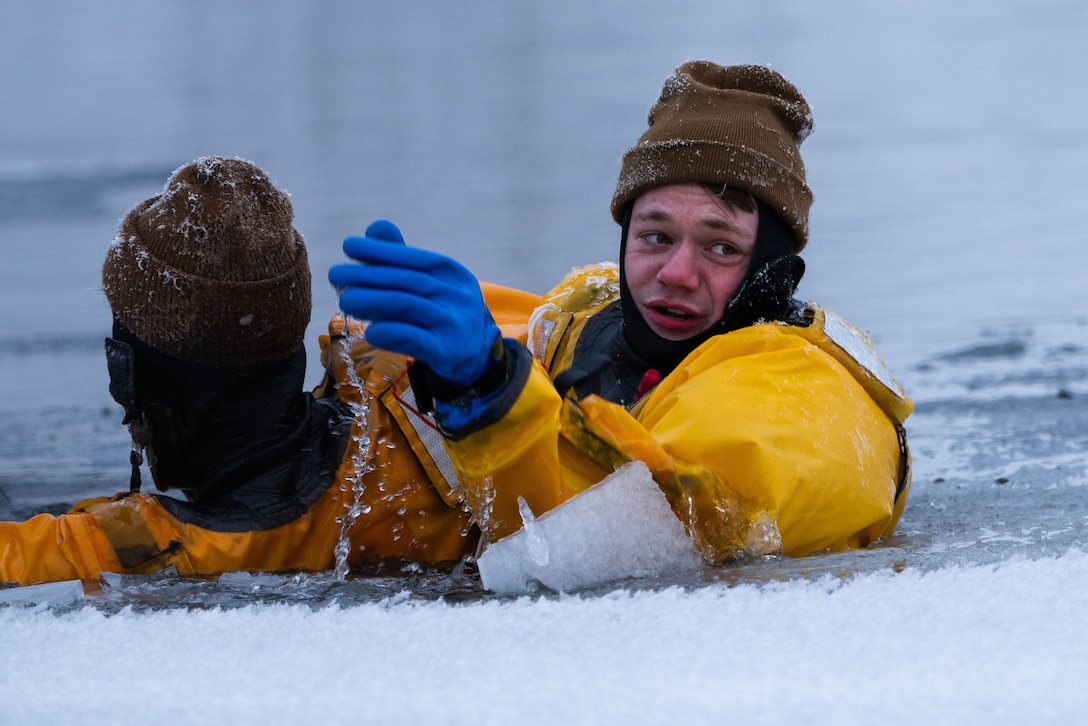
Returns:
(770, 424)
(209, 286)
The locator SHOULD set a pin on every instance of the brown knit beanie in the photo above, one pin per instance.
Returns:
(211, 271)
(736, 125)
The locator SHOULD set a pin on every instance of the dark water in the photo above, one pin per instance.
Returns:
(947, 162)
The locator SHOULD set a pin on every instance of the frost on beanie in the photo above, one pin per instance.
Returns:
(735, 125)
(211, 271)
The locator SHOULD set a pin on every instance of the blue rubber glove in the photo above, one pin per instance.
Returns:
(419, 303)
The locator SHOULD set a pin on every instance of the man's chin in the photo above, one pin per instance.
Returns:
(679, 335)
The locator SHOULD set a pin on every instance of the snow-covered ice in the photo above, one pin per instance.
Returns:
(998, 644)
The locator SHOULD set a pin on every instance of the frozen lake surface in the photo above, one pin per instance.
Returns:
(948, 168)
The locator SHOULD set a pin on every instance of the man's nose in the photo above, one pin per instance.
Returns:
(679, 269)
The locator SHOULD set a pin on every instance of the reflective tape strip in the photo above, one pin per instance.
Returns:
(857, 346)
(429, 436)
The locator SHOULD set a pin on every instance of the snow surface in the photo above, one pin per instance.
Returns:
(965, 645)
(947, 163)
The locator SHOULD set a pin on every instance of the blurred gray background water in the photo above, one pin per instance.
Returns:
(948, 163)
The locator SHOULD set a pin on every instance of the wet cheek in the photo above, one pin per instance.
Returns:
(635, 271)
(726, 290)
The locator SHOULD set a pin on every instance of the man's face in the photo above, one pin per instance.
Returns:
(687, 255)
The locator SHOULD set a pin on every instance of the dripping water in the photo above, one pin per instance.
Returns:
(361, 453)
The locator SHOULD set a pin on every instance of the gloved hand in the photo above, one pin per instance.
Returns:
(419, 303)
(767, 295)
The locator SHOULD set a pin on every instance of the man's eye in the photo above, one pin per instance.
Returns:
(656, 238)
(723, 249)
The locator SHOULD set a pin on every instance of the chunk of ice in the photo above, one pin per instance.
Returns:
(65, 592)
(621, 527)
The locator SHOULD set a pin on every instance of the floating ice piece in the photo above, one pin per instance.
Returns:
(65, 592)
(621, 527)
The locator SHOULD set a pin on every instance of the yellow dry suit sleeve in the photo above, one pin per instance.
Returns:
(134, 533)
(47, 548)
(520, 456)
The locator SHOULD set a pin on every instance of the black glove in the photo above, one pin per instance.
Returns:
(767, 295)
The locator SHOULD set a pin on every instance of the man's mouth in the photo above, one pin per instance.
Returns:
(672, 312)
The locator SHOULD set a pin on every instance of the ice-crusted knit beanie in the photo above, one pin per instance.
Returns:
(735, 125)
(211, 270)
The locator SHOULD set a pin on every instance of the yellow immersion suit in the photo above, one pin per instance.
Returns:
(768, 437)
